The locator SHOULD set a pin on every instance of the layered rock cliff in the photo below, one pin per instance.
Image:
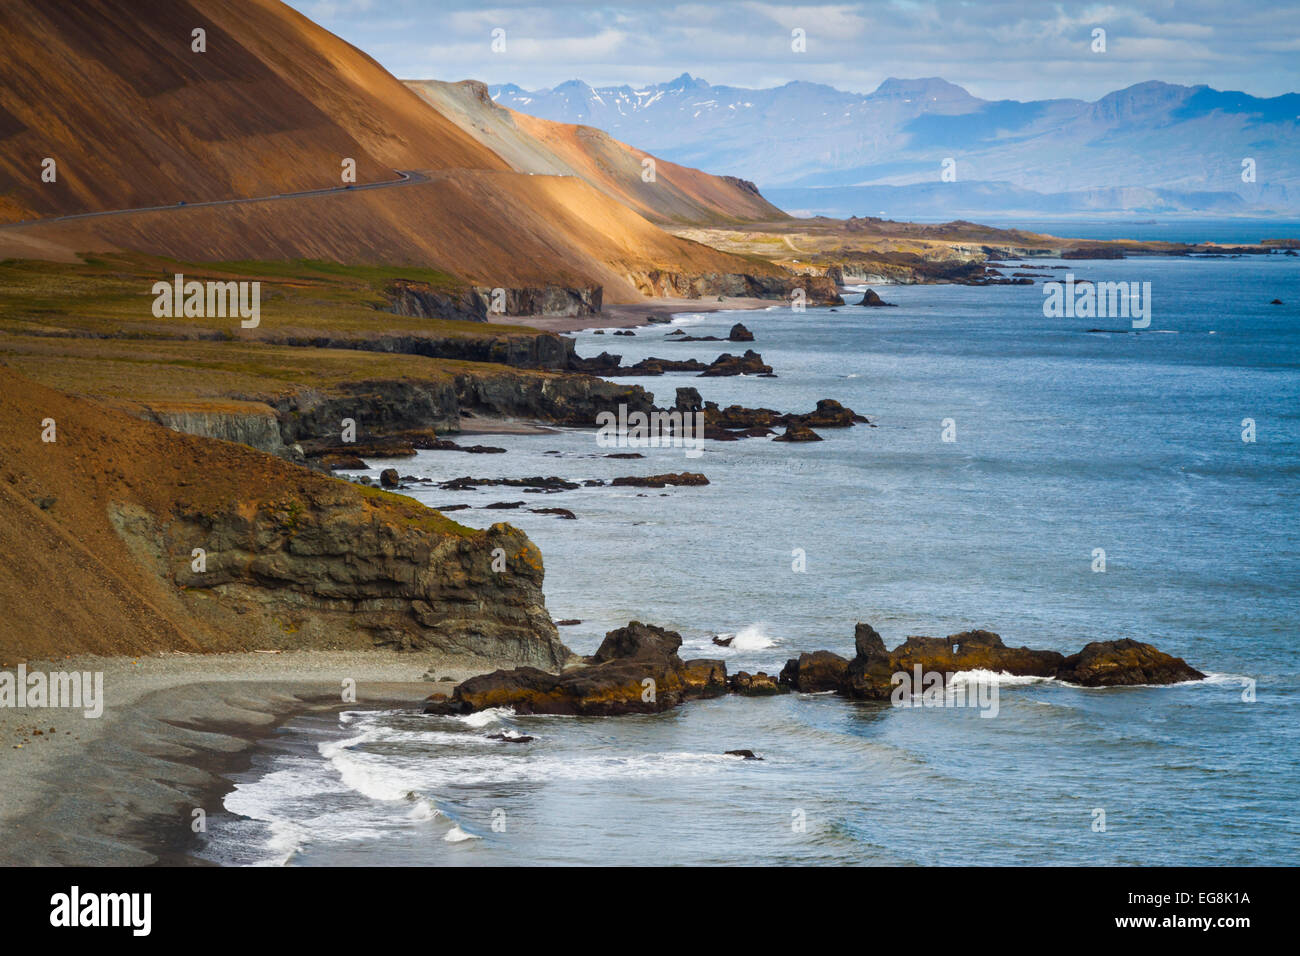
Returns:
(818, 289)
(144, 540)
(476, 304)
(328, 567)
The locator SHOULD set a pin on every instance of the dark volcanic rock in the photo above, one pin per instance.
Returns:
(342, 462)
(739, 333)
(443, 444)
(870, 675)
(661, 481)
(751, 363)
(603, 364)
(635, 670)
(818, 671)
(746, 754)
(870, 298)
(637, 641)
(388, 478)
(658, 366)
(688, 399)
(866, 642)
(755, 685)
(1093, 252)
(798, 433)
(705, 677)
(828, 414)
(551, 483)
(1124, 662)
(561, 512)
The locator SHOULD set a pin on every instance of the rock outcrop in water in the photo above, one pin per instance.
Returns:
(812, 673)
(737, 421)
(636, 670)
(870, 298)
(871, 673)
(751, 363)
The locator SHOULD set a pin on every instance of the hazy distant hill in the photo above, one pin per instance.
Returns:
(1151, 147)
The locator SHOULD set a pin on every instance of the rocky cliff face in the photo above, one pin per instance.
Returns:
(562, 399)
(377, 407)
(330, 565)
(421, 300)
(384, 408)
(819, 289)
(255, 424)
(545, 350)
(162, 541)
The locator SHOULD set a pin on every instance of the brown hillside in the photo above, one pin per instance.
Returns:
(111, 89)
(133, 117)
(678, 194)
(487, 228)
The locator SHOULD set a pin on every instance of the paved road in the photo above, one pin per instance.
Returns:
(408, 177)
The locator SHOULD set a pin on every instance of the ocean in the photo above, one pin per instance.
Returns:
(1066, 442)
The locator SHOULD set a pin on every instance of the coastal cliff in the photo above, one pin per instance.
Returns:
(421, 300)
(818, 289)
(164, 541)
(325, 567)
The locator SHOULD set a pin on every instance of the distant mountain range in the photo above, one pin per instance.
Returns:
(1151, 148)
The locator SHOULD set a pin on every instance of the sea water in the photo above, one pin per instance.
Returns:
(1066, 444)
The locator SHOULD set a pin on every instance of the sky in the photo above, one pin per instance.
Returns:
(999, 49)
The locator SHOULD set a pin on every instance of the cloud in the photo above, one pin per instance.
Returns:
(996, 49)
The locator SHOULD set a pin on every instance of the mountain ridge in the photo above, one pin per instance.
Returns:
(1184, 141)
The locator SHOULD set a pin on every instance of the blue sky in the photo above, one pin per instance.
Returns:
(996, 49)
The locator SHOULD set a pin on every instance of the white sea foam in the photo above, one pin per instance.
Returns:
(1001, 678)
(285, 842)
(423, 808)
(367, 774)
(485, 718)
(752, 638)
(457, 835)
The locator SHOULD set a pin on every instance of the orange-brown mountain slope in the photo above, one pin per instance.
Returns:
(112, 90)
(676, 195)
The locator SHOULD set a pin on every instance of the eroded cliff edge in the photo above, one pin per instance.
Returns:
(125, 537)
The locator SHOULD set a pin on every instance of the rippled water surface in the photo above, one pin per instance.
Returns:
(1066, 442)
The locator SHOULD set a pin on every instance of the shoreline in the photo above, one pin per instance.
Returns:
(122, 789)
(625, 316)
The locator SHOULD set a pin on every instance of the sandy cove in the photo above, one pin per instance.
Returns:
(121, 789)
